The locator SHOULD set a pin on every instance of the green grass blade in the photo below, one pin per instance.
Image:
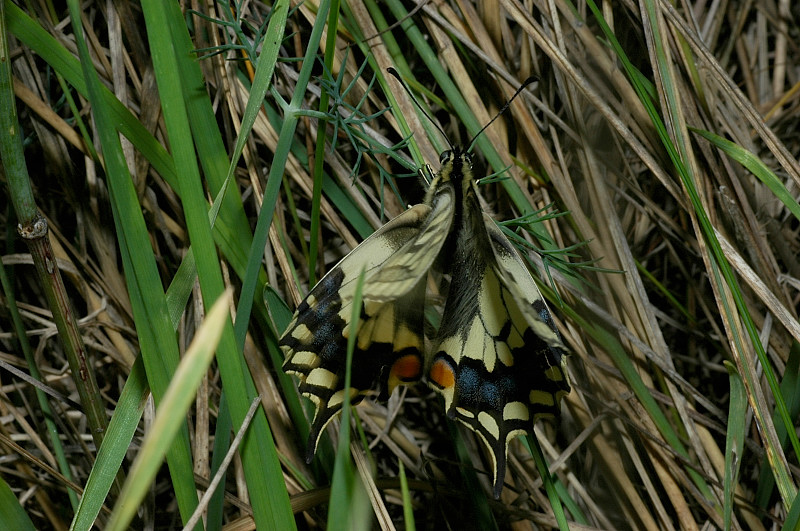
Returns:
(722, 274)
(408, 509)
(319, 153)
(285, 140)
(348, 507)
(790, 388)
(479, 510)
(231, 228)
(156, 336)
(549, 482)
(734, 440)
(12, 515)
(756, 167)
(60, 59)
(261, 466)
(115, 446)
(792, 522)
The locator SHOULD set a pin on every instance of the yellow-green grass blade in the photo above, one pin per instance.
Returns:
(171, 413)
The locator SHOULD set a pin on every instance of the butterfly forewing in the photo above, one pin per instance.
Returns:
(415, 258)
(389, 341)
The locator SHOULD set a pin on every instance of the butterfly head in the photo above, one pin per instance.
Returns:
(454, 163)
(457, 153)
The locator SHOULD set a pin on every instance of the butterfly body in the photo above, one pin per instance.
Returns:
(497, 357)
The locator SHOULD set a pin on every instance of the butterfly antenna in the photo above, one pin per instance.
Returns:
(501, 111)
(394, 72)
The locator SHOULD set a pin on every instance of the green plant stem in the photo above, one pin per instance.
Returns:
(319, 152)
(33, 229)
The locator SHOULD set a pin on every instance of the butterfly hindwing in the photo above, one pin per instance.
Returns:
(389, 342)
(498, 358)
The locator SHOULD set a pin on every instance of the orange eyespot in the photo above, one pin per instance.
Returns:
(442, 374)
(407, 368)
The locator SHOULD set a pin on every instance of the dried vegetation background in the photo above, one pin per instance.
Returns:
(678, 297)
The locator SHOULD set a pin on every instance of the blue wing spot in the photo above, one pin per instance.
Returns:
(482, 391)
(468, 383)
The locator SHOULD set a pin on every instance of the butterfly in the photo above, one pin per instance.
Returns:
(497, 358)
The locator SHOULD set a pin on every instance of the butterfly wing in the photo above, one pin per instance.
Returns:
(395, 259)
(549, 346)
(499, 361)
(416, 257)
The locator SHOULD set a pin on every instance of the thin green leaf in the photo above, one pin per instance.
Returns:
(734, 441)
(347, 504)
(12, 515)
(756, 167)
(116, 444)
